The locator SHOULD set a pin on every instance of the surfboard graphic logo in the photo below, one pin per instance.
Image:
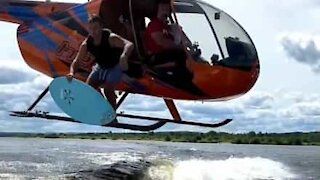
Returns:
(66, 96)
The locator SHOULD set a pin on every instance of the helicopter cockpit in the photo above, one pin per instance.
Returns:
(214, 37)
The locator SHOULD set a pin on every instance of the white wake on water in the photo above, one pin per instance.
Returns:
(229, 169)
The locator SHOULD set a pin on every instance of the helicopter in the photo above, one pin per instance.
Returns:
(222, 59)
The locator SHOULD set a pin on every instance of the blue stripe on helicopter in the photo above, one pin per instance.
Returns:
(28, 15)
(81, 13)
(51, 66)
(65, 19)
(22, 13)
(47, 24)
(40, 40)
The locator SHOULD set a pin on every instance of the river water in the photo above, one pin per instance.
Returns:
(35, 158)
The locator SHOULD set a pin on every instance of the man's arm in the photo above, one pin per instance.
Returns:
(119, 42)
(80, 55)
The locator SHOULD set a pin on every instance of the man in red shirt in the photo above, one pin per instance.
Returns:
(163, 44)
(160, 42)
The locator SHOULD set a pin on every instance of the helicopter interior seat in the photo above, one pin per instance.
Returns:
(240, 54)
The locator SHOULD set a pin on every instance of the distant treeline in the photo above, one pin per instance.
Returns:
(297, 138)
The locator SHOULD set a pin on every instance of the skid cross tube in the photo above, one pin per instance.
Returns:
(123, 97)
(173, 109)
(39, 98)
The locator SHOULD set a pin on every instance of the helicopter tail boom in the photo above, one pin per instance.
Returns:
(21, 11)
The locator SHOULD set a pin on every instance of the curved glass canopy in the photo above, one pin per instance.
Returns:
(213, 37)
(217, 35)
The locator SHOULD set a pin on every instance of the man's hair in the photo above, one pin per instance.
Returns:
(94, 18)
(157, 3)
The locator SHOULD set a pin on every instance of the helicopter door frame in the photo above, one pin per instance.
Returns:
(187, 6)
(134, 32)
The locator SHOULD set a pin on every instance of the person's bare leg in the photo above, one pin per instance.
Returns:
(111, 97)
(94, 84)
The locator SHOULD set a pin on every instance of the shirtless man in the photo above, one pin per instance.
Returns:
(111, 53)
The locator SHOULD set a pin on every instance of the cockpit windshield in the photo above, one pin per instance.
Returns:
(215, 35)
(199, 33)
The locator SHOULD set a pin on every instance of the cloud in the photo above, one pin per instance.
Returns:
(306, 110)
(143, 104)
(13, 95)
(289, 112)
(256, 111)
(303, 48)
(210, 110)
(299, 97)
(10, 75)
(259, 111)
(18, 97)
(259, 100)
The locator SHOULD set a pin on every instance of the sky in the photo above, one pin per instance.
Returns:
(286, 97)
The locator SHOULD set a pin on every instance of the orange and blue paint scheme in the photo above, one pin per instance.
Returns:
(50, 34)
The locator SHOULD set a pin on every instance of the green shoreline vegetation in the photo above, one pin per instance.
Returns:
(297, 138)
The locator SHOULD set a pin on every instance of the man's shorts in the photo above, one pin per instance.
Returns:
(106, 77)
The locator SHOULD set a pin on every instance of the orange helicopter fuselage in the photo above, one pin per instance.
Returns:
(50, 34)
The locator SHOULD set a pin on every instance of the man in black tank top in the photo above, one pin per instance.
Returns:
(111, 54)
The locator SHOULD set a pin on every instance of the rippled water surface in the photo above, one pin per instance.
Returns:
(54, 158)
